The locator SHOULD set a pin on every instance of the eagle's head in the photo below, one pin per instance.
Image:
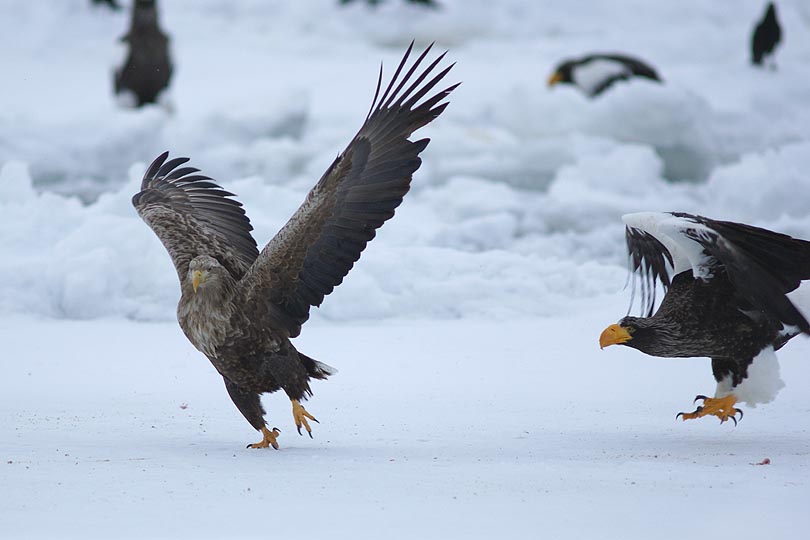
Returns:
(563, 73)
(206, 274)
(644, 334)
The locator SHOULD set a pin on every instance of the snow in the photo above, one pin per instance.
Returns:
(472, 399)
(470, 429)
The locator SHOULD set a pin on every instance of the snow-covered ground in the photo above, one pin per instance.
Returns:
(452, 429)
(472, 398)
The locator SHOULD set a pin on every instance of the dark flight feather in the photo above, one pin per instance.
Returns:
(651, 261)
(318, 246)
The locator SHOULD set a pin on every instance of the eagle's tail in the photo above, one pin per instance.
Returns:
(316, 370)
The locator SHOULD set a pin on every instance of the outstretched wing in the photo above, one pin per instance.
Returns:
(194, 216)
(318, 246)
(637, 66)
(762, 265)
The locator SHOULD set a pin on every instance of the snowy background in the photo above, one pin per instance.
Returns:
(472, 398)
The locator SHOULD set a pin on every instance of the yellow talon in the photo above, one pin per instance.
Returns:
(722, 408)
(300, 416)
(268, 439)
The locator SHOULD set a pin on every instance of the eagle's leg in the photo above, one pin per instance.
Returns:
(268, 439)
(722, 408)
(300, 415)
(250, 405)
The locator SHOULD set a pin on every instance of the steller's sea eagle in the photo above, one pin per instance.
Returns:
(595, 73)
(239, 306)
(727, 288)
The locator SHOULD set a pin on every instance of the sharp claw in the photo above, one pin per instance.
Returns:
(739, 411)
(315, 420)
(299, 430)
(683, 413)
(735, 420)
(699, 396)
(249, 445)
(310, 434)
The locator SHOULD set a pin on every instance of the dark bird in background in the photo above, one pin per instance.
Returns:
(727, 288)
(766, 37)
(112, 4)
(148, 67)
(239, 306)
(595, 73)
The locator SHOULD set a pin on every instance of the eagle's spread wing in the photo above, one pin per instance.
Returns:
(762, 265)
(318, 246)
(194, 216)
(636, 66)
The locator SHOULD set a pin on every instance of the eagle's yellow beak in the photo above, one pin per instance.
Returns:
(555, 78)
(196, 279)
(614, 335)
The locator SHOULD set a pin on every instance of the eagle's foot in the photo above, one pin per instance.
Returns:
(722, 408)
(300, 415)
(268, 439)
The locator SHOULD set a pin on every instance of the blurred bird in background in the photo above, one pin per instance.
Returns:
(147, 71)
(767, 36)
(595, 73)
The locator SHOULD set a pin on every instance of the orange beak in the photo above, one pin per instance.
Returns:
(614, 335)
(196, 279)
(555, 78)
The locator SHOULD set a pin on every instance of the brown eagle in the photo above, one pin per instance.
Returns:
(239, 306)
(727, 287)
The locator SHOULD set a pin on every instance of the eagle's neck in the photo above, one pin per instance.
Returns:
(205, 316)
(659, 339)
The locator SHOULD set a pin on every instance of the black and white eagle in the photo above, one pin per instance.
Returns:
(727, 298)
(147, 70)
(766, 36)
(240, 306)
(595, 73)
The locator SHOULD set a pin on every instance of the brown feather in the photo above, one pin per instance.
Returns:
(318, 246)
(192, 216)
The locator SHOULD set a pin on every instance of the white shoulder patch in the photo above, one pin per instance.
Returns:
(762, 383)
(670, 231)
(593, 74)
